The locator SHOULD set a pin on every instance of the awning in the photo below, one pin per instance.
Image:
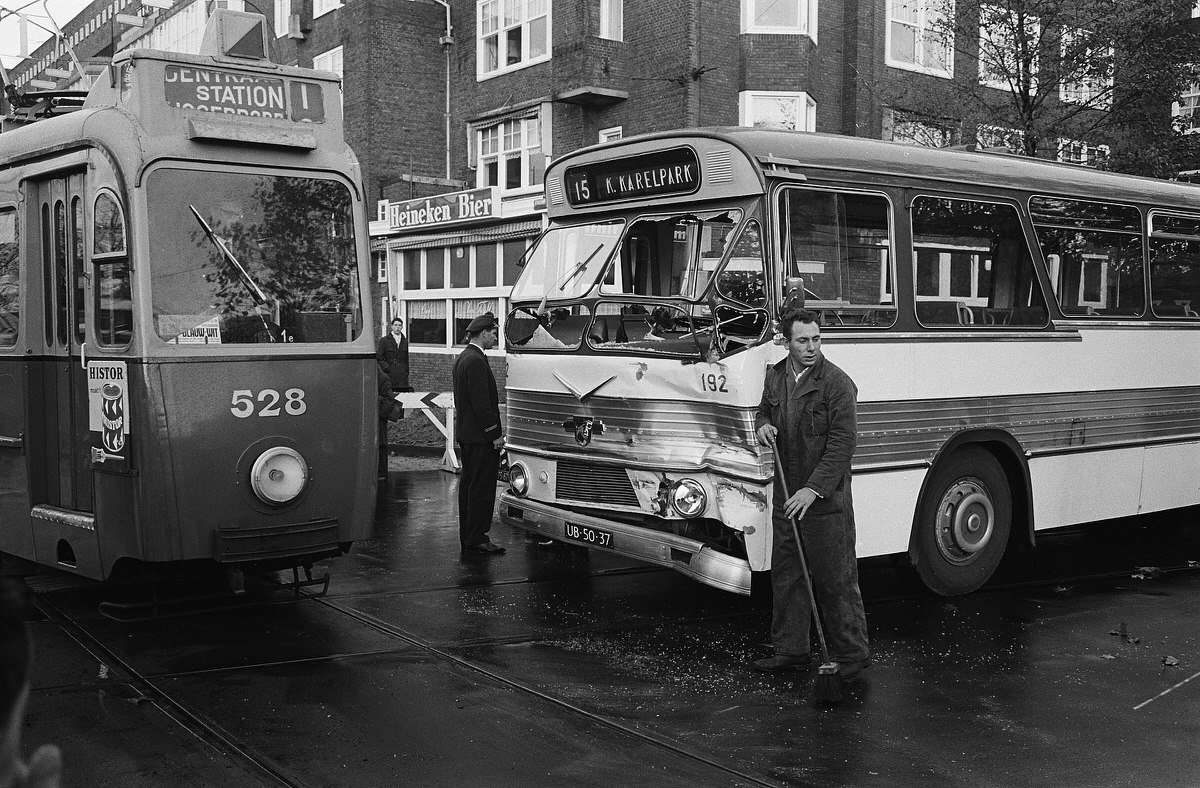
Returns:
(463, 236)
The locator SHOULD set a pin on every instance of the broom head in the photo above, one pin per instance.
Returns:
(827, 687)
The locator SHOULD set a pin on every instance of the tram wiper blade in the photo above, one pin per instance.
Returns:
(256, 292)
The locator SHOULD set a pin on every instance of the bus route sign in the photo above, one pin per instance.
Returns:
(674, 171)
(250, 95)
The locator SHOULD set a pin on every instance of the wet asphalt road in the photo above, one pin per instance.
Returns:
(559, 667)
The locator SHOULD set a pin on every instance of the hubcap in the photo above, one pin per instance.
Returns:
(965, 521)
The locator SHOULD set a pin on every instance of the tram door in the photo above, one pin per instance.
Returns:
(59, 472)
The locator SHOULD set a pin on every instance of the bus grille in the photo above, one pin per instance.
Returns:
(601, 484)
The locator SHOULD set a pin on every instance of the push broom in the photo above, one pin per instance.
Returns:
(827, 688)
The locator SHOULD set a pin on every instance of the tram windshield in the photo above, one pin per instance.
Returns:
(242, 258)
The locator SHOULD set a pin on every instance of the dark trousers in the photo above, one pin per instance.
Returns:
(829, 551)
(476, 491)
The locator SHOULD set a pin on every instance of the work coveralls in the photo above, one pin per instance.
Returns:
(817, 431)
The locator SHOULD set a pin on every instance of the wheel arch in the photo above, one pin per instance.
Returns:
(1008, 452)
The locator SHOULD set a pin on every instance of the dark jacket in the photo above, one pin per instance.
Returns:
(392, 358)
(818, 430)
(476, 402)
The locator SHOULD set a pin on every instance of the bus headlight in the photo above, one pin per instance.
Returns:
(278, 475)
(518, 479)
(688, 498)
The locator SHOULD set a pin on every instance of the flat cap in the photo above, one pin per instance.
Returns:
(482, 323)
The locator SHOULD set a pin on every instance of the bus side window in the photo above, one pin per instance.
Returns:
(10, 278)
(114, 301)
(973, 267)
(1094, 254)
(1174, 266)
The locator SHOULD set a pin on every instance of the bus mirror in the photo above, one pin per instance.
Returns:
(793, 293)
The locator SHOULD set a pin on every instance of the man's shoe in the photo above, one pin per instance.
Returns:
(486, 548)
(781, 662)
(848, 670)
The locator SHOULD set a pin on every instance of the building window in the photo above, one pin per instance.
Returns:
(1186, 110)
(1012, 140)
(780, 16)
(322, 7)
(919, 38)
(1080, 152)
(331, 61)
(410, 269)
(435, 268)
(513, 34)
(381, 268)
(1082, 58)
(612, 19)
(427, 322)
(510, 155)
(774, 109)
(283, 13)
(1000, 61)
(910, 128)
(610, 134)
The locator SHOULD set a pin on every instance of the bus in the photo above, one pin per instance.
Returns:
(184, 370)
(1024, 336)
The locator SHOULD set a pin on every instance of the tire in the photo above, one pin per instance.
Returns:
(963, 522)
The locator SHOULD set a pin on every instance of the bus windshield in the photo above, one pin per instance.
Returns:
(244, 258)
(566, 261)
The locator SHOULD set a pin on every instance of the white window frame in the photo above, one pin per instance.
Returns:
(331, 60)
(926, 15)
(612, 19)
(1086, 261)
(805, 108)
(1188, 108)
(805, 16)
(611, 133)
(998, 39)
(1081, 153)
(381, 265)
(498, 142)
(323, 7)
(524, 13)
(1084, 92)
(283, 15)
(979, 258)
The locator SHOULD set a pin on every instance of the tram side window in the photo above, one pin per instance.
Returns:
(10, 278)
(973, 266)
(114, 299)
(839, 243)
(1093, 253)
(1175, 266)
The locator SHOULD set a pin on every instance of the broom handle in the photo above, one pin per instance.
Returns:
(812, 597)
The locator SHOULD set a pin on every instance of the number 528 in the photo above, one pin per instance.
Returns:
(268, 403)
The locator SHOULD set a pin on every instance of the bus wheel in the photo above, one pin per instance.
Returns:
(963, 522)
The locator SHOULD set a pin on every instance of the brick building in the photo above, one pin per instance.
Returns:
(454, 107)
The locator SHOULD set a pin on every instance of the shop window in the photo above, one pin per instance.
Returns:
(410, 267)
(460, 266)
(513, 251)
(973, 266)
(466, 310)
(512, 34)
(10, 278)
(427, 322)
(1093, 254)
(485, 265)
(435, 269)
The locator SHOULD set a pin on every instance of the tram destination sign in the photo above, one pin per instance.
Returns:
(249, 95)
(674, 171)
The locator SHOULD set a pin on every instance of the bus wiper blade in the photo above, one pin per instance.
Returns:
(256, 292)
(577, 269)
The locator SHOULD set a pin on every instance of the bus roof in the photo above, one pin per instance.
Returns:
(814, 155)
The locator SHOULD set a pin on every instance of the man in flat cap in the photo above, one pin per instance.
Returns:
(477, 430)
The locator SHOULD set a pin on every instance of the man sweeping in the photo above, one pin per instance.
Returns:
(808, 410)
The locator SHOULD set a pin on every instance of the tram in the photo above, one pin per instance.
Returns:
(1024, 335)
(185, 374)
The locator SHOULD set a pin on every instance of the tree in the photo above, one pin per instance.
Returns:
(1034, 72)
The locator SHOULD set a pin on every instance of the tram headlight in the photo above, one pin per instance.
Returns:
(279, 475)
(518, 479)
(688, 498)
